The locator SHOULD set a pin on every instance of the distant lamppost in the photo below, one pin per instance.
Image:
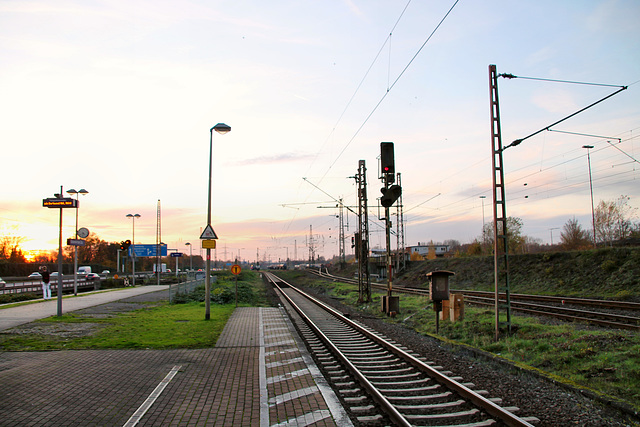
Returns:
(75, 248)
(551, 230)
(482, 198)
(190, 256)
(133, 245)
(221, 128)
(593, 215)
(483, 236)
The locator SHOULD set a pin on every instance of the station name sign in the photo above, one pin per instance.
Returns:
(65, 202)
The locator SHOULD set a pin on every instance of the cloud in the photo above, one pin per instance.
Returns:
(277, 158)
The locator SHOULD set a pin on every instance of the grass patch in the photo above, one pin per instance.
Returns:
(162, 327)
(157, 326)
(606, 361)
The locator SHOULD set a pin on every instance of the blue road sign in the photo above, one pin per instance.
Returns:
(148, 250)
(176, 254)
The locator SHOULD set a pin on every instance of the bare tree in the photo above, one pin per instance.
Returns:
(516, 242)
(613, 220)
(10, 248)
(573, 236)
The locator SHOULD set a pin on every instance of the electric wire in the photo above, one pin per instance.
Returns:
(389, 90)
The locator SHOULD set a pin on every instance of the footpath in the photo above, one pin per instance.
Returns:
(258, 374)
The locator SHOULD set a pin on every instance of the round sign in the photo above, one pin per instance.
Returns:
(235, 269)
(83, 233)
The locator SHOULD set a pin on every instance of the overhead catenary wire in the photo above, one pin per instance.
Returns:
(357, 132)
(519, 141)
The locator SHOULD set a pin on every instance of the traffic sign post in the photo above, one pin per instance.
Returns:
(208, 244)
(208, 237)
(75, 242)
(235, 270)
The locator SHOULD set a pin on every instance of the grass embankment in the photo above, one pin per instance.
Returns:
(605, 361)
(157, 326)
(612, 273)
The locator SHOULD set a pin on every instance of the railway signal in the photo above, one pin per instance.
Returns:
(124, 245)
(390, 195)
(387, 161)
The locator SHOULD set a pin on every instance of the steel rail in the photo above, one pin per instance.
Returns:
(483, 298)
(540, 309)
(623, 305)
(485, 404)
(388, 408)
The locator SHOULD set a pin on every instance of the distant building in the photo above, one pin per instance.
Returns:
(427, 250)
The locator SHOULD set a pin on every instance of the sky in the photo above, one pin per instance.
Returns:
(118, 98)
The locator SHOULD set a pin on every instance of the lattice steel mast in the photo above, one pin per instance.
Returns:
(362, 237)
(500, 250)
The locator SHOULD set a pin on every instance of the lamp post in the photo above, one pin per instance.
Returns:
(221, 128)
(593, 215)
(190, 257)
(75, 248)
(133, 245)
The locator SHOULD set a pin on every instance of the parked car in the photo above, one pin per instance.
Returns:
(35, 275)
(2, 283)
(93, 276)
(106, 272)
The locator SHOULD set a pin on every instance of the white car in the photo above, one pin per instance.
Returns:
(35, 275)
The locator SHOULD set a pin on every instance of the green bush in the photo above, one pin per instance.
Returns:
(609, 265)
(221, 293)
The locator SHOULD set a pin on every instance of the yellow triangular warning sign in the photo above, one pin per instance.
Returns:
(208, 233)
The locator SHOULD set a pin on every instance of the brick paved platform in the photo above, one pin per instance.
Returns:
(258, 374)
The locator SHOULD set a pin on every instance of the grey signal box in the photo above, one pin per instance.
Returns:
(439, 284)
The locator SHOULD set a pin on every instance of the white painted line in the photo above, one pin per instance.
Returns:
(286, 334)
(293, 395)
(306, 419)
(264, 404)
(285, 350)
(287, 376)
(285, 362)
(135, 418)
(280, 343)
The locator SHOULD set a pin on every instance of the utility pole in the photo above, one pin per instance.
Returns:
(400, 259)
(500, 252)
(158, 243)
(362, 236)
(342, 257)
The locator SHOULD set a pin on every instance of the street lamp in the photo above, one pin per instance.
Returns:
(221, 128)
(133, 245)
(484, 240)
(593, 215)
(190, 256)
(75, 248)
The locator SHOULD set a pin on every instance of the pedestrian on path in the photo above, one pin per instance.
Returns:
(46, 286)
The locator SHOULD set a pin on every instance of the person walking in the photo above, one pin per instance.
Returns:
(46, 286)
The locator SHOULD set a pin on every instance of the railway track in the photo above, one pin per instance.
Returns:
(382, 383)
(621, 314)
